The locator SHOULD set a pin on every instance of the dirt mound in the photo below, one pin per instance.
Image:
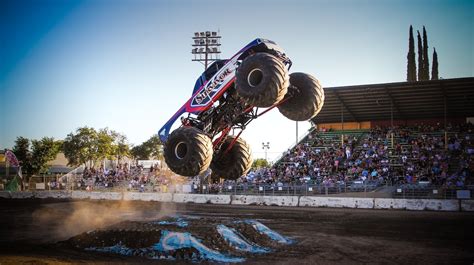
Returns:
(183, 238)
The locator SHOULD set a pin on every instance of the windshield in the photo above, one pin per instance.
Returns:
(208, 74)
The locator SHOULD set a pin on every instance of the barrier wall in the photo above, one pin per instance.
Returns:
(467, 205)
(5, 195)
(265, 200)
(301, 201)
(142, 196)
(52, 194)
(335, 202)
(22, 195)
(201, 198)
(417, 204)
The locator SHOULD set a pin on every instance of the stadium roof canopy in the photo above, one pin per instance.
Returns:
(405, 101)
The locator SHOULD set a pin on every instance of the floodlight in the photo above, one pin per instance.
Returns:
(205, 43)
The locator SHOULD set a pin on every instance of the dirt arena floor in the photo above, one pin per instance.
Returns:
(40, 232)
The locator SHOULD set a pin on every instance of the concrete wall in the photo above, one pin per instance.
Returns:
(5, 195)
(201, 198)
(335, 202)
(417, 204)
(21, 195)
(142, 196)
(301, 201)
(467, 205)
(265, 200)
(52, 194)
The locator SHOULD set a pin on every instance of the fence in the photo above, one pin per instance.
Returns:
(432, 192)
(368, 189)
(292, 189)
(371, 190)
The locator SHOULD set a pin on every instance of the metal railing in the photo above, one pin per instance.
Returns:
(372, 189)
(362, 190)
(293, 189)
(433, 192)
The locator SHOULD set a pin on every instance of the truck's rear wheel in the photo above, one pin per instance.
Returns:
(305, 98)
(261, 79)
(233, 164)
(188, 151)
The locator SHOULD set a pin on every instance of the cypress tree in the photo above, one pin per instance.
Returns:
(434, 71)
(411, 65)
(426, 59)
(420, 57)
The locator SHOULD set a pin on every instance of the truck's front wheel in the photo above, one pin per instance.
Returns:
(188, 151)
(261, 79)
(233, 164)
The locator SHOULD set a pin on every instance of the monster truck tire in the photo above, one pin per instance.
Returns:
(235, 163)
(305, 98)
(188, 151)
(261, 79)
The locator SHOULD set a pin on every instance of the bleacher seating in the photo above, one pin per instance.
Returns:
(402, 155)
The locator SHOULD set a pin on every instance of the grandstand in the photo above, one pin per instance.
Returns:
(416, 135)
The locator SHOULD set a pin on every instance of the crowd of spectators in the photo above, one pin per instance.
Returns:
(396, 155)
(132, 177)
(417, 154)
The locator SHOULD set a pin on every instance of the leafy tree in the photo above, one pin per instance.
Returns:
(411, 67)
(121, 148)
(104, 144)
(259, 163)
(81, 147)
(43, 151)
(155, 146)
(426, 59)
(23, 153)
(152, 148)
(434, 71)
(139, 152)
(420, 57)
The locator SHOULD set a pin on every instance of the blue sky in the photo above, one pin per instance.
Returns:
(127, 65)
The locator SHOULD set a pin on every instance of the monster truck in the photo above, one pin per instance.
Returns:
(227, 97)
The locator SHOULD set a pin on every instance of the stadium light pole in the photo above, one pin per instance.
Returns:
(206, 47)
(265, 147)
(296, 133)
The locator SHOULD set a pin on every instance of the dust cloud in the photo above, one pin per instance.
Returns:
(62, 222)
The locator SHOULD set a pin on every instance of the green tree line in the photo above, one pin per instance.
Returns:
(86, 146)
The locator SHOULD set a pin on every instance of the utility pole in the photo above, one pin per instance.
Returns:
(206, 47)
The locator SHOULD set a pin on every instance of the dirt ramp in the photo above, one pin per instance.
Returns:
(183, 238)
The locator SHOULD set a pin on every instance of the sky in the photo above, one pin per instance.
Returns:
(126, 64)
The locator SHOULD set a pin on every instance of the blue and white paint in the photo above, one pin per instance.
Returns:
(180, 222)
(171, 241)
(177, 240)
(236, 240)
(263, 229)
